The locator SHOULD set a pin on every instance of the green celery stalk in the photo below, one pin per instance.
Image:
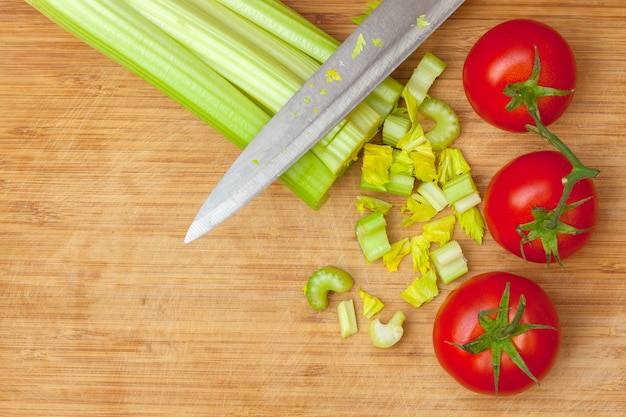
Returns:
(210, 33)
(123, 34)
(371, 233)
(275, 17)
(347, 318)
(449, 261)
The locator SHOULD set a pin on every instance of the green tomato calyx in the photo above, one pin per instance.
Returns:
(547, 227)
(529, 91)
(499, 334)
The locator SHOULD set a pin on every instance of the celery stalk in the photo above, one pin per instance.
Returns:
(120, 32)
(347, 318)
(449, 261)
(371, 233)
(206, 34)
(428, 69)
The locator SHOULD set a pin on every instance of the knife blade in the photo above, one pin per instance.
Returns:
(346, 78)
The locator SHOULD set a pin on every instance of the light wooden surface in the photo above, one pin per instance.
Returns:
(105, 312)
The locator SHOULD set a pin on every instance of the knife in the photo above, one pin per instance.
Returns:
(399, 26)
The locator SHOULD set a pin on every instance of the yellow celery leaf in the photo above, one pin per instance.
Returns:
(397, 253)
(371, 304)
(421, 290)
(420, 253)
(440, 230)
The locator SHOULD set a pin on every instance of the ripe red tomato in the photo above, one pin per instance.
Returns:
(458, 329)
(535, 180)
(505, 54)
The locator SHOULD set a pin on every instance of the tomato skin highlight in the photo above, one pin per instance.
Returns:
(457, 322)
(535, 180)
(504, 55)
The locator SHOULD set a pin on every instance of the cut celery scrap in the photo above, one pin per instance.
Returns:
(386, 335)
(451, 164)
(424, 75)
(461, 193)
(347, 318)
(398, 251)
(418, 210)
(420, 253)
(323, 281)
(421, 290)
(373, 204)
(449, 262)
(424, 163)
(447, 127)
(371, 304)
(401, 179)
(395, 127)
(440, 230)
(472, 223)
(377, 160)
(371, 234)
(433, 194)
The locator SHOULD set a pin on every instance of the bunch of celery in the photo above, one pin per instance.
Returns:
(233, 63)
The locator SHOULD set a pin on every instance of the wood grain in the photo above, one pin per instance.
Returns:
(105, 312)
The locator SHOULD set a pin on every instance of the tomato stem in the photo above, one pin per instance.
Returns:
(547, 223)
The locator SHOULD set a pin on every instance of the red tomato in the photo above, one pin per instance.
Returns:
(457, 323)
(534, 180)
(504, 55)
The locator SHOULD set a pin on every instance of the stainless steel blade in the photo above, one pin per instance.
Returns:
(341, 83)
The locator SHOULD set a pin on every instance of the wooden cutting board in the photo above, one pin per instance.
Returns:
(105, 312)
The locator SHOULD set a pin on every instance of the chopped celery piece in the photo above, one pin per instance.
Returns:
(377, 160)
(415, 136)
(422, 290)
(459, 188)
(413, 139)
(323, 281)
(387, 335)
(440, 230)
(420, 253)
(401, 163)
(466, 203)
(373, 204)
(419, 210)
(400, 184)
(395, 127)
(347, 318)
(401, 179)
(433, 194)
(397, 253)
(447, 128)
(371, 233)
(472, 223)
(451, 164)
(371, 304)
(424, 167)
(428, 69)
(449, 261)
